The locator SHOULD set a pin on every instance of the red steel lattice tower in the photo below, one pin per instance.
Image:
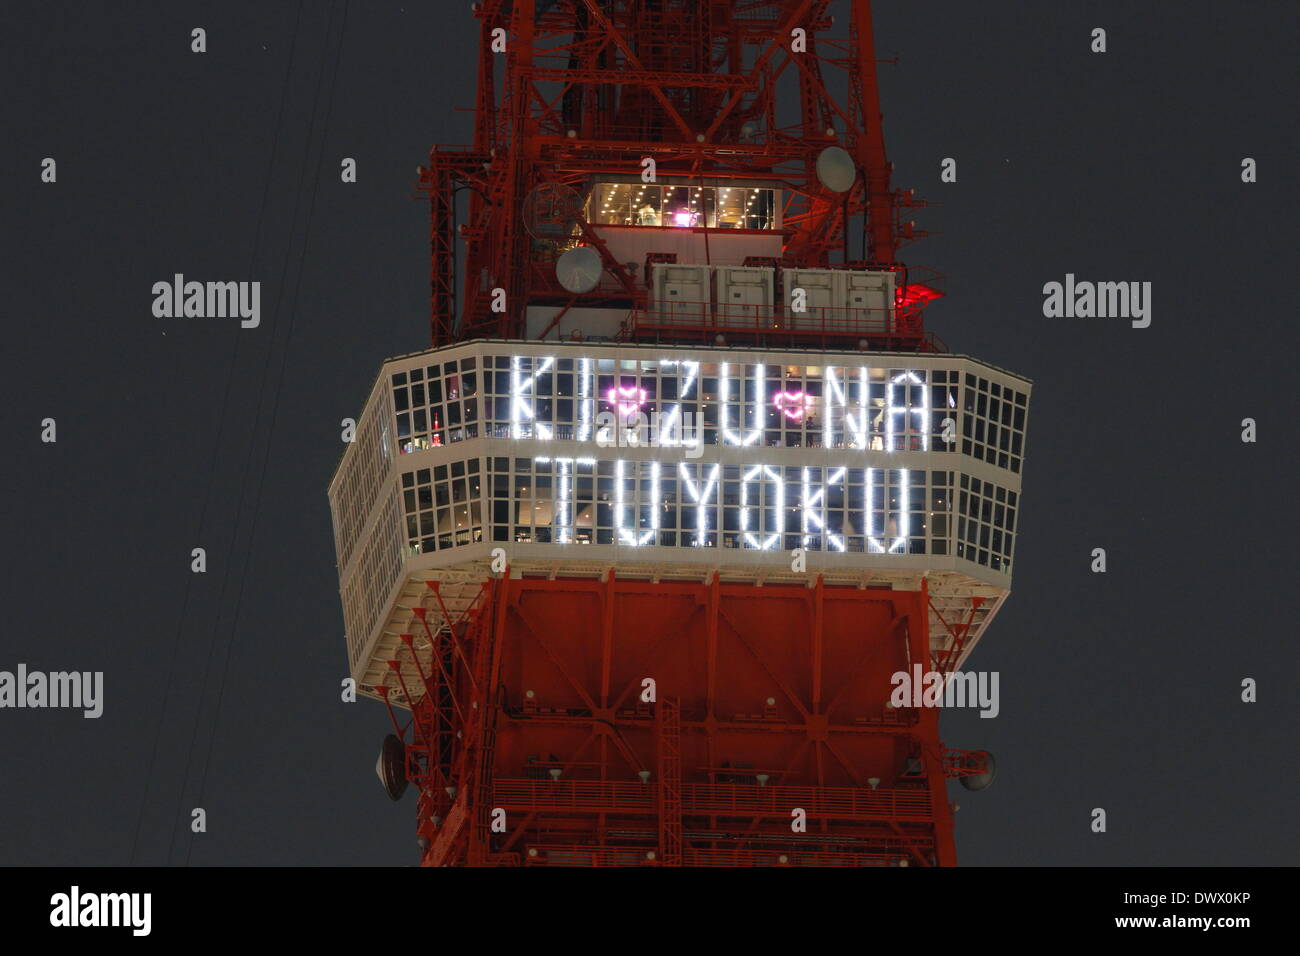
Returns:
(675, 651)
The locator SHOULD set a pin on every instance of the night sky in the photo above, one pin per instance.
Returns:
(1119, 690)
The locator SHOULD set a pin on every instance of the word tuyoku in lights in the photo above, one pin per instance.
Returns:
(759, 507)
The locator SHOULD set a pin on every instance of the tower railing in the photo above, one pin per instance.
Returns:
(604, 796)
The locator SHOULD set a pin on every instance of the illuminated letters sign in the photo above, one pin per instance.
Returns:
(699, 453)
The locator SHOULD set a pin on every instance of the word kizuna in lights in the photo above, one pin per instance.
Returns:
(855, 408)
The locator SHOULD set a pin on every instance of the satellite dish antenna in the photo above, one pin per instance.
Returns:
(981, 781)
(579, 269)
(552, 212)
(391, 767)
(835, 169)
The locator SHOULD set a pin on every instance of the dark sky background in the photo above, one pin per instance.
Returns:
(1119, 690)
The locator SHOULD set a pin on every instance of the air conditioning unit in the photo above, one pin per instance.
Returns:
(682, 293)
(744, 296)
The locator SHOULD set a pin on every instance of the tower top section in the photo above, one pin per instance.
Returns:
(751, 126)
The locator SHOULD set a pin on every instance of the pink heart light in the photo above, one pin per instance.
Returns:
(627, 399)
(793, 405)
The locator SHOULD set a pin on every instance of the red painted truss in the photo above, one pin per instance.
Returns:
(622, 722)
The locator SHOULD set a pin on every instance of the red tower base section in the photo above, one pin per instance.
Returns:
(628, 722)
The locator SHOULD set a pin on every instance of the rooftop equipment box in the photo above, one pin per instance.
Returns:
(823, 293)
(869, 299)
(745, 296)
(683, 291)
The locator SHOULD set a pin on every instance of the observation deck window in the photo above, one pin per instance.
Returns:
(682, 206)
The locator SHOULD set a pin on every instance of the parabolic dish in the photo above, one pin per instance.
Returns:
(579, 269)
(835, 169)
(391, 767)
(982, 781)
(551, 212)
